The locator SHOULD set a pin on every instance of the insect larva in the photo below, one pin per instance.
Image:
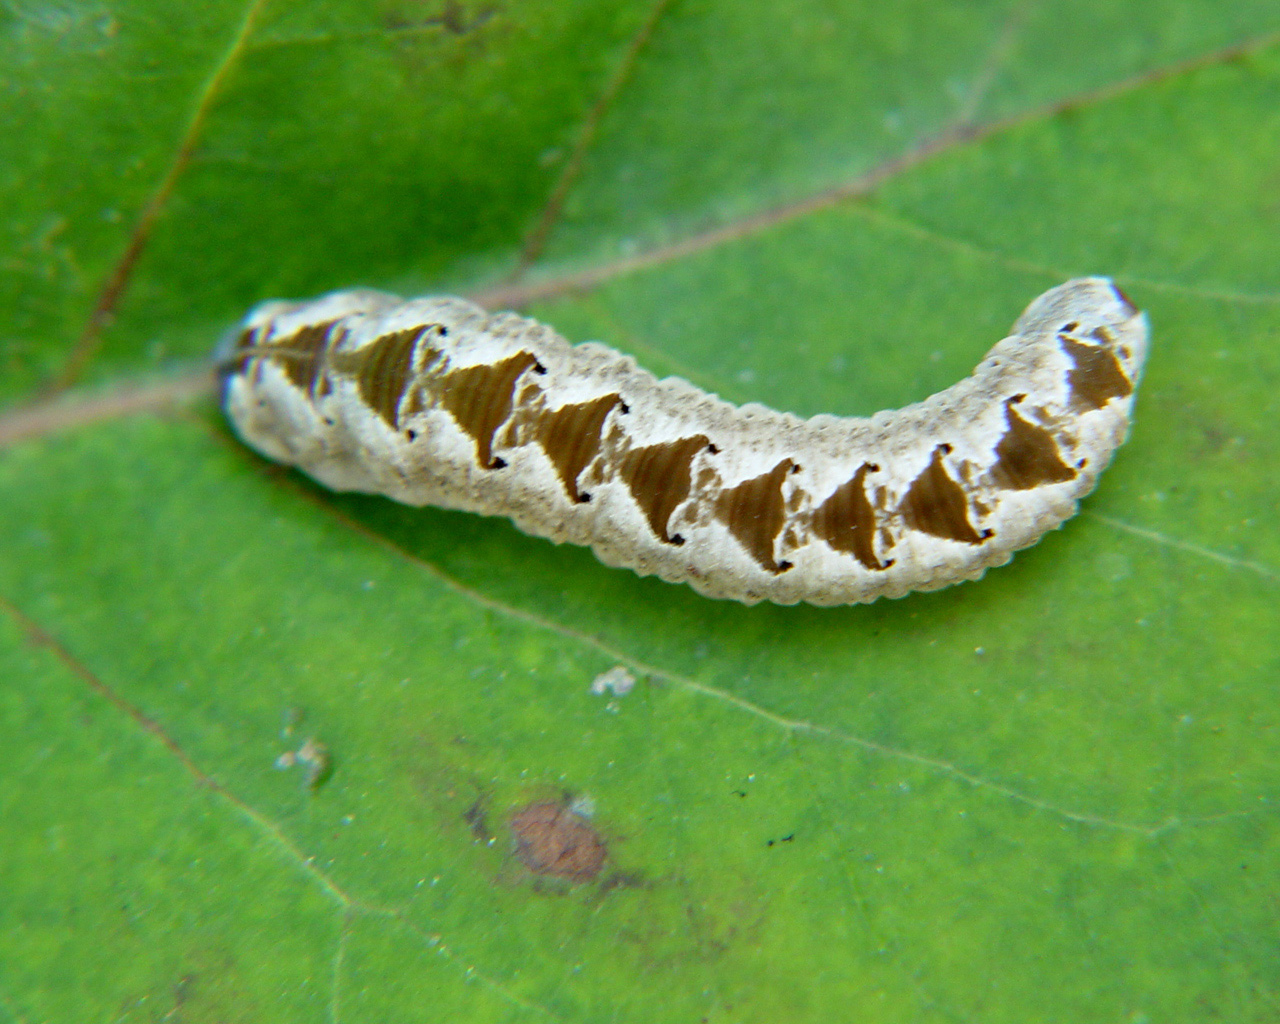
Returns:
(435, 402)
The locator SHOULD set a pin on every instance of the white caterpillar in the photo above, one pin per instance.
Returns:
(435, 402)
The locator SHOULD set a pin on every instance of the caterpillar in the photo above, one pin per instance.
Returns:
(433, 401)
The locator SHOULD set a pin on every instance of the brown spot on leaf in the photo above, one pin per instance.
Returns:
(571, 438)
(552, 840)
(754, 513)
(659, 478)
(479, 398)
(847, 520)
(1027, 455)
(1097, 376)
(935, 504)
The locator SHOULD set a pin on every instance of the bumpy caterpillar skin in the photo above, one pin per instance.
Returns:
(435, 402)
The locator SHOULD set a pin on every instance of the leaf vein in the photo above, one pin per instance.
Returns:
(39, 637)
(536, 240)
(950, 138)
(121, 274)
(791, 725)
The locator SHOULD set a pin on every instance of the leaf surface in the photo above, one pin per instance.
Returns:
(1049, 795)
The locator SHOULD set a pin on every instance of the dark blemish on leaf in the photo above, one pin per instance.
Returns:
(623, 880)
(552, 840)
(474, 816)
(453, 19)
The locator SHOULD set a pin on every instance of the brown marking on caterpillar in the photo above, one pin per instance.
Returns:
(570, 436)
(383, 370)
(659, 477)
(479, 398)
(301, 356)
(413, 403)
(245, 339)
(1027, 455)
(1096, 377)
(754, 513)
(847, 520)
(935, 504)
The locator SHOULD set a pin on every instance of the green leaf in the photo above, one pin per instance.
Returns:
(1048, 795)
